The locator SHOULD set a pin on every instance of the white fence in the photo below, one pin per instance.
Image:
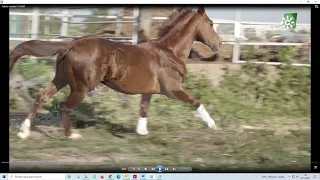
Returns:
(65, 16)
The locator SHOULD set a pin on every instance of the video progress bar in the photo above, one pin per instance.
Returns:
(31, 162)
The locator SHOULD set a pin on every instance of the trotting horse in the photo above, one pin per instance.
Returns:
(154, 67)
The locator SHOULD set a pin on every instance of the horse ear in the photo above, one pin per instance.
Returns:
(201, 10)
(180, 9)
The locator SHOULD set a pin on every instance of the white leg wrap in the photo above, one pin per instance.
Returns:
(75, 136)
(25, 129)
(142, 126)
(204, 115)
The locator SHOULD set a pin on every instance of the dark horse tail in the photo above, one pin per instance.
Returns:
(36, 48)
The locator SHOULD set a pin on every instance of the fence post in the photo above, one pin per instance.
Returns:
(119, 25)
(215, 27)
(145, 20)
(64, 23)
(46, 27)
(237, 32)
(35, 24)
(136, 11)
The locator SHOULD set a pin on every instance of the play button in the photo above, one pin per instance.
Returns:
(159, 169)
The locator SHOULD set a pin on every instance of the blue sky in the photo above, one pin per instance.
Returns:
(260, 14)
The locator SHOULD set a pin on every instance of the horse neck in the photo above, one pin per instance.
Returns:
(180, 39)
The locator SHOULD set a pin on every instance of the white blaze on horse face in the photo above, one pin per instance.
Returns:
(142, 126)
(25, 129)
(204, 115)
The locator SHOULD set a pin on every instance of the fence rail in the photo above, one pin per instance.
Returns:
(65, 17)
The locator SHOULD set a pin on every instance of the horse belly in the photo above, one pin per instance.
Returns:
(135, 84)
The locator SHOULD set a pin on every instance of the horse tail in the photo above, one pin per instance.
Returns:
(35, 48)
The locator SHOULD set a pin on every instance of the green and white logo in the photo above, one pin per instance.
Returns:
(289, 20)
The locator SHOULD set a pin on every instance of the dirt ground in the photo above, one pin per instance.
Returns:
(205, 148)
(258, 140)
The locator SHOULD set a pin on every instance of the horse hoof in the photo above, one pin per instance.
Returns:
(22, 135)
(142, 132)
(75, 136)
(212, 125)
(93, 93)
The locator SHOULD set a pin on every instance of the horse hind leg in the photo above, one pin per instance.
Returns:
(94, 92)
(104, 69)
(41, 99)
(75, 98)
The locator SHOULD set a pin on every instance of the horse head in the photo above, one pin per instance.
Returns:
(206, 33)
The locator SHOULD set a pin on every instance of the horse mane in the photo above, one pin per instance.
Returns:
(172, 20)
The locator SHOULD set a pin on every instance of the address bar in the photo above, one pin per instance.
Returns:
(36, 176)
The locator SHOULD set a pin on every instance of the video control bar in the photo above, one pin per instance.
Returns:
(158, 169)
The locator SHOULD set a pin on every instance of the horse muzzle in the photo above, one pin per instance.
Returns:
(216, 47)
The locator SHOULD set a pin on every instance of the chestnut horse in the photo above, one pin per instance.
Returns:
(153, 67)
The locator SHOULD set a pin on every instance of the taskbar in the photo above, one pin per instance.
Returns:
(60, 168)
(160, 176)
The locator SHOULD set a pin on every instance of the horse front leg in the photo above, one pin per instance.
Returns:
(184, 96)
(143, 119)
